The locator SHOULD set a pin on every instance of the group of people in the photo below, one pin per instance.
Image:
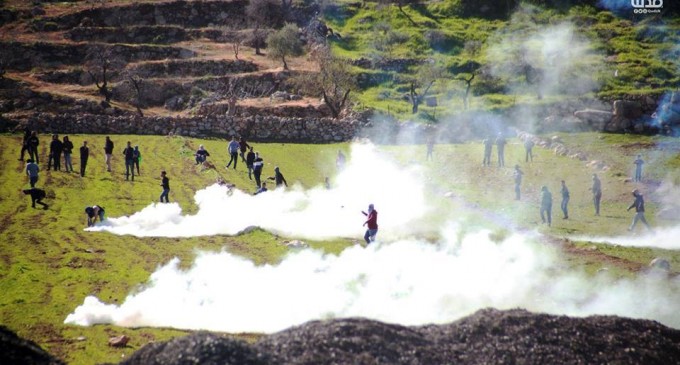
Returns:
(546, 199)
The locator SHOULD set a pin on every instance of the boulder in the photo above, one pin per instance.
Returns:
(595, 118)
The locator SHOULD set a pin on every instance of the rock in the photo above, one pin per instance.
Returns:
(627, 109)
(595, 118)
(295, 244)
(16, 350)
(119, 341)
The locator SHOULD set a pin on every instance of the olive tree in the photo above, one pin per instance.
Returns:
(284, 43)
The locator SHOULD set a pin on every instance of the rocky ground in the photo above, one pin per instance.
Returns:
(488, 336)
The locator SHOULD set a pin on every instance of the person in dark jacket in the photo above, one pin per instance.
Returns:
(84, 155)
(372, 223)
(108, 151)
(56, 147)
(500, 145)
(278, 178)
(165, 183)
(250, 160)
(24, 143)
(33, 143)
(129, 154)
(258, 165)
(261, 189)
(488, 146)
(639, 205)
(68, 149)
(93, 213)
(528, 149)
(518, 181)
(37, 195)
(201, 155)
(546, 205)
(638, 168)
(243, 147)
(565, 200)
(137, 158)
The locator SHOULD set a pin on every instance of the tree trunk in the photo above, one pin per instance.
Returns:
(285, 65)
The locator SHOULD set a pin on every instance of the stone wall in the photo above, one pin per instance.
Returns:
(256, 128)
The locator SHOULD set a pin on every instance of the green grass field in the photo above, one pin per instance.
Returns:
(48, 264)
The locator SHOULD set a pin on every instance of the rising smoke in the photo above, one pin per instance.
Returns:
(319, 213)
(399, 279)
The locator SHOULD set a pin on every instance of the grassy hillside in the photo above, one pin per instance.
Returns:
(49, 264)
(511, 56)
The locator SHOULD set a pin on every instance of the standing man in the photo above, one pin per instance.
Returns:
(55, 153)
(638, 168)
(372, 222)
(137, 158)
(32, 170)
(340, 161)
(165, 183)
(528, 147)
(24, 143)
(278, 178)
(250, 160)
(500, 144)
(233, 149)
(597, 193)
(84, 155)
(639, 205)
(518, 181)
(33, 143)
(488, 146)
(430, 148)
(129, 154)
(243, 147)
(108, 151)
(68, 149)
(258, 164)
(546, 205)
(565, 200)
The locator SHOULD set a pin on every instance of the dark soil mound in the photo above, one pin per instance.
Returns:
(198, 348)
(16, 350)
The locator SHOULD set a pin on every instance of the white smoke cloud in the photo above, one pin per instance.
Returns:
(407, 282)
(369, 177)
(666, 238)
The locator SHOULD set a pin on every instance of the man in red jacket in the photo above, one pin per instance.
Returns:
(372, 222)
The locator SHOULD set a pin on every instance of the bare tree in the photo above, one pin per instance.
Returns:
(428, 74)
(285, 42)
(100, 63)
(236, 47)
(468, 86)
(136, 83)
(263, 13)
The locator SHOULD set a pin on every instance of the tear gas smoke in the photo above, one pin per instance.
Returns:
(666, 238)
(406, 282)
(319, 213)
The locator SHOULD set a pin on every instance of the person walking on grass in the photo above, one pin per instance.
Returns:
(258, 165)
(372, 223)
(488, 146)
(500, 145)
(32, 170)
(278, 178)
(528, 149)
(250, 160)
(56, 147)
(518, 181)
(137, 158)
(565, 200)
(108, 152)
(37, 195)
(638, 168)
(129, 154)
(546, 205)
(639, 205)
(84, 155)
(233, 149)
(165, 183)
(597, 193)
(243, 147)
(33, 143)
(68, 149)
(24, 143)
